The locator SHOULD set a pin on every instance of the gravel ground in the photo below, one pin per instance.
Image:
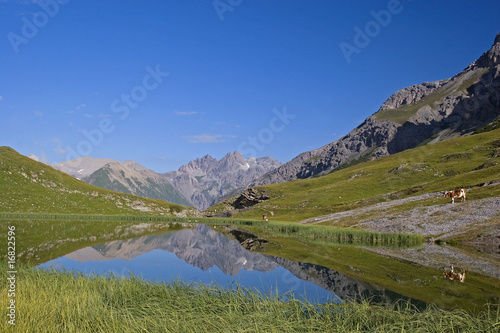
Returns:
(475, 223)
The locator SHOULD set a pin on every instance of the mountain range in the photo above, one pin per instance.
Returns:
(200, 183)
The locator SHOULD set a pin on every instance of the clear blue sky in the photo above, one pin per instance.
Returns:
(163, 82)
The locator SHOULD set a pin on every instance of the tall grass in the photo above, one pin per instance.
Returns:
(343, 235)
(48, 301)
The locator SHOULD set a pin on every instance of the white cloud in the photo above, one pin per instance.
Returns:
(185, 113)
(207, 138)
(78, 108)
(1, 98)
(59, 150)
(100, 115)
(38, 113)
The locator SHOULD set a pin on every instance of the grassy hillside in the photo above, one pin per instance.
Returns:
(125, 180)
(30, 186)
(466, 162)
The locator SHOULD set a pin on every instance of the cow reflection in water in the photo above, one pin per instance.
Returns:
(454, 276)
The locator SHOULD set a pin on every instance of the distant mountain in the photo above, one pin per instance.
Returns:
(80, 167)
(30, 186)
(131, 177)
(200, 183)
(206, 181)
(417, 115)
(126, 177)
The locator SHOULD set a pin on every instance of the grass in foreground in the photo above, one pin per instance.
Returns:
(58, 302)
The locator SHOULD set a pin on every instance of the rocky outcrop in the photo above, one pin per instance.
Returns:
(410, 95)
(416, 115)
(249, 198)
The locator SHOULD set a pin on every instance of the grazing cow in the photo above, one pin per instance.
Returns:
(454, 276)
(455, 194)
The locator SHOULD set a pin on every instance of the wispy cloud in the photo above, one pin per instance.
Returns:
(59, 150)
(223, 123)
(100, 115)
(185, 113)
(1, 98)
(38, 113)
(78, 108)
(207, 138)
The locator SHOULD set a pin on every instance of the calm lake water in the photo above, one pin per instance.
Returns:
(205, 256)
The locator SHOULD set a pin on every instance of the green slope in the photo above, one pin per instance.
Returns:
(465, 162)
(149, 189)
(30, 186)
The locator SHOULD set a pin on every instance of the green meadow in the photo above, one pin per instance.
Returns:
(467, 162)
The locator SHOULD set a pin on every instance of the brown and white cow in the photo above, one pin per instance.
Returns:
(455, 194)
(454, 276)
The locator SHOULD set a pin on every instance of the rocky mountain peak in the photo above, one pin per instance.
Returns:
(233, 161)
(207, 180)
(204, 164)
(490, 58)
(416, 115)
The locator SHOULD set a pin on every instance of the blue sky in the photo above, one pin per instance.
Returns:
(163, 82)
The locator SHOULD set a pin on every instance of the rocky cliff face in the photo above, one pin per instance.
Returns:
(420, 114)
(205, 181)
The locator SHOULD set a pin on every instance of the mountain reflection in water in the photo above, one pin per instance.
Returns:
(206, 256)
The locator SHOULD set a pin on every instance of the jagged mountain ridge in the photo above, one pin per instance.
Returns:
(200, 183)
(420, 114)
(205, 181)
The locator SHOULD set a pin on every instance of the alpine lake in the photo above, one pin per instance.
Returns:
(242, 254)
